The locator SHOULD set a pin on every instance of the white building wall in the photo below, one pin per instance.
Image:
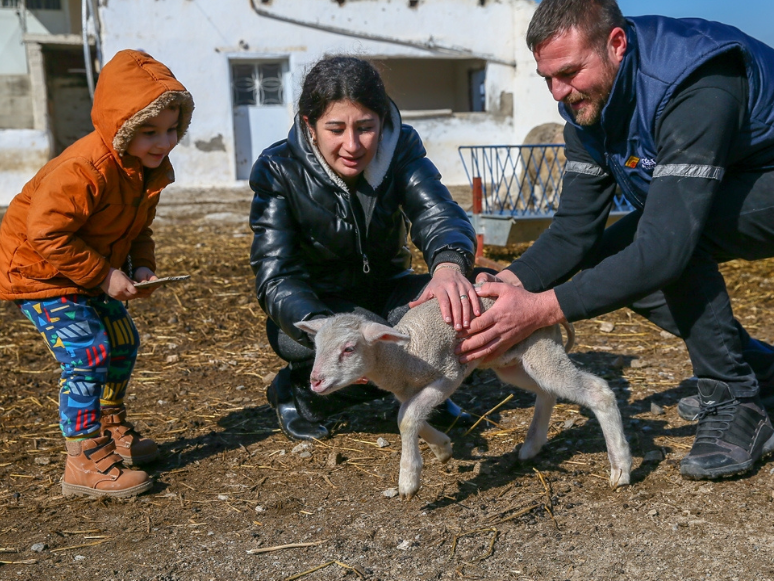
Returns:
(196, 39)
(22, 153)
(13, 60)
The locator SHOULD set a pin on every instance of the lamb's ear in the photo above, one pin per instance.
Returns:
(373, 332)
(311, 327)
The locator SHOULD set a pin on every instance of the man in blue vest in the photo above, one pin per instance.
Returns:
(678, 115)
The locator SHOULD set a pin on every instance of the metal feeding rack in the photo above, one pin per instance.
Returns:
(516, 191)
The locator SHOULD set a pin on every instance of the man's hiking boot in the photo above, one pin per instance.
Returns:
(688, 407)
(130, 445)
(757, 354)
(94, 469)
(732, 434)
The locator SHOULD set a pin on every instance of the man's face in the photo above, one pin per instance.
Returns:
(579, 75)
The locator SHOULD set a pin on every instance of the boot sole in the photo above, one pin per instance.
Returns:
(294, 438)
(697, 473)
(77, 490)
(136, 460)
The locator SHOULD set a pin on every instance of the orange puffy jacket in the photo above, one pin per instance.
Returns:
(89, 208)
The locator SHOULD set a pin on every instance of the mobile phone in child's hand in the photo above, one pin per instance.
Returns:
(161, 281)
(142, 276)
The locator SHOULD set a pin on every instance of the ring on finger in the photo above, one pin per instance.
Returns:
(463, 296)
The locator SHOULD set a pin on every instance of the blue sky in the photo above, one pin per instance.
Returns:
(755, 17)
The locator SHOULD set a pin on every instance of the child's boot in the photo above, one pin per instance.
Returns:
(94, 469)
(131, 446)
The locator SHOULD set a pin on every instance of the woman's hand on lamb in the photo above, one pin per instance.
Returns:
(455, 293)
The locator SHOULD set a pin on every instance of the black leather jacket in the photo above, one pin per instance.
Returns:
(313, 237)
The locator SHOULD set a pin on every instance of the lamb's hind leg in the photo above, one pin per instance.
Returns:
(601, 399)
(411, 422)
(549, 365)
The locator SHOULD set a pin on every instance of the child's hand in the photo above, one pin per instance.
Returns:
(119, 286)
(143, 274)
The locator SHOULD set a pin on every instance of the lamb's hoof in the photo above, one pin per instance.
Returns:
(443, 452)
(529, 449)
(618, 478)
(408, 486)
(407, 493)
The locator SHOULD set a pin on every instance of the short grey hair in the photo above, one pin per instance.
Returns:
(595, 19)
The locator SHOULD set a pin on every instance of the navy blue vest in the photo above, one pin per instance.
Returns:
(661, 54)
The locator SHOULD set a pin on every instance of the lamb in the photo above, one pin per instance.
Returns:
(415, 361)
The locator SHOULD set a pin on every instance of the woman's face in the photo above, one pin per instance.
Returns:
(347, 135)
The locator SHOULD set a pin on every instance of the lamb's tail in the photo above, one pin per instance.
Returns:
(570, 336)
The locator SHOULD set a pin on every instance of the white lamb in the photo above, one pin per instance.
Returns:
(415, 361)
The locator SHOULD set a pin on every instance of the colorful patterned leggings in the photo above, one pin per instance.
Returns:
(95, 342)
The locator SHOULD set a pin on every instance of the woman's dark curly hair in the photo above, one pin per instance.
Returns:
(343, 78)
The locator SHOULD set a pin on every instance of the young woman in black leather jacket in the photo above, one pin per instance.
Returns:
(333, 205)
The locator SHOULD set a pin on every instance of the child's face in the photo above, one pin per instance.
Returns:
(155, 138)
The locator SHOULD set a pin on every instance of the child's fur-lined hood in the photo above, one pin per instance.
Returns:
(132, 88)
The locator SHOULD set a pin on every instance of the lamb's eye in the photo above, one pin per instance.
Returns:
(349, 349)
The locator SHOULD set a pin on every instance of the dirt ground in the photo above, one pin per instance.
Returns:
(230, 491)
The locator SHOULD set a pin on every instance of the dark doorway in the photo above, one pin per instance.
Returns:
(69, 102)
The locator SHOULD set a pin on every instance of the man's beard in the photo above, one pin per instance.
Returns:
(591, 113)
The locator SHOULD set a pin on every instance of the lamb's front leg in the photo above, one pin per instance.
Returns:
(549, 365)
(411, 422)
(439, 442)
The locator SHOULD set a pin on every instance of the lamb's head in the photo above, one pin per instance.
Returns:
(345, 349)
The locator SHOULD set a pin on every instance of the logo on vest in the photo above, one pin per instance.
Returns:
(632, 162)
(648, 164)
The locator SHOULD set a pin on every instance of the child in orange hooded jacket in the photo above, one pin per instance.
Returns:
(73, 243)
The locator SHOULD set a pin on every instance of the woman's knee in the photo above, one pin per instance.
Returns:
(286, 347)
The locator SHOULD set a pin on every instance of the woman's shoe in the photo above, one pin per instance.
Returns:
(296, 427)
(291, 422)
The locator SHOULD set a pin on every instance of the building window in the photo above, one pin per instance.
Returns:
(257, 84)
(431, 84)
(33, 4)
(477, 84)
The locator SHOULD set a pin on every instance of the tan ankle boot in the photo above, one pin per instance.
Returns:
(131, 446)
(94, 469)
